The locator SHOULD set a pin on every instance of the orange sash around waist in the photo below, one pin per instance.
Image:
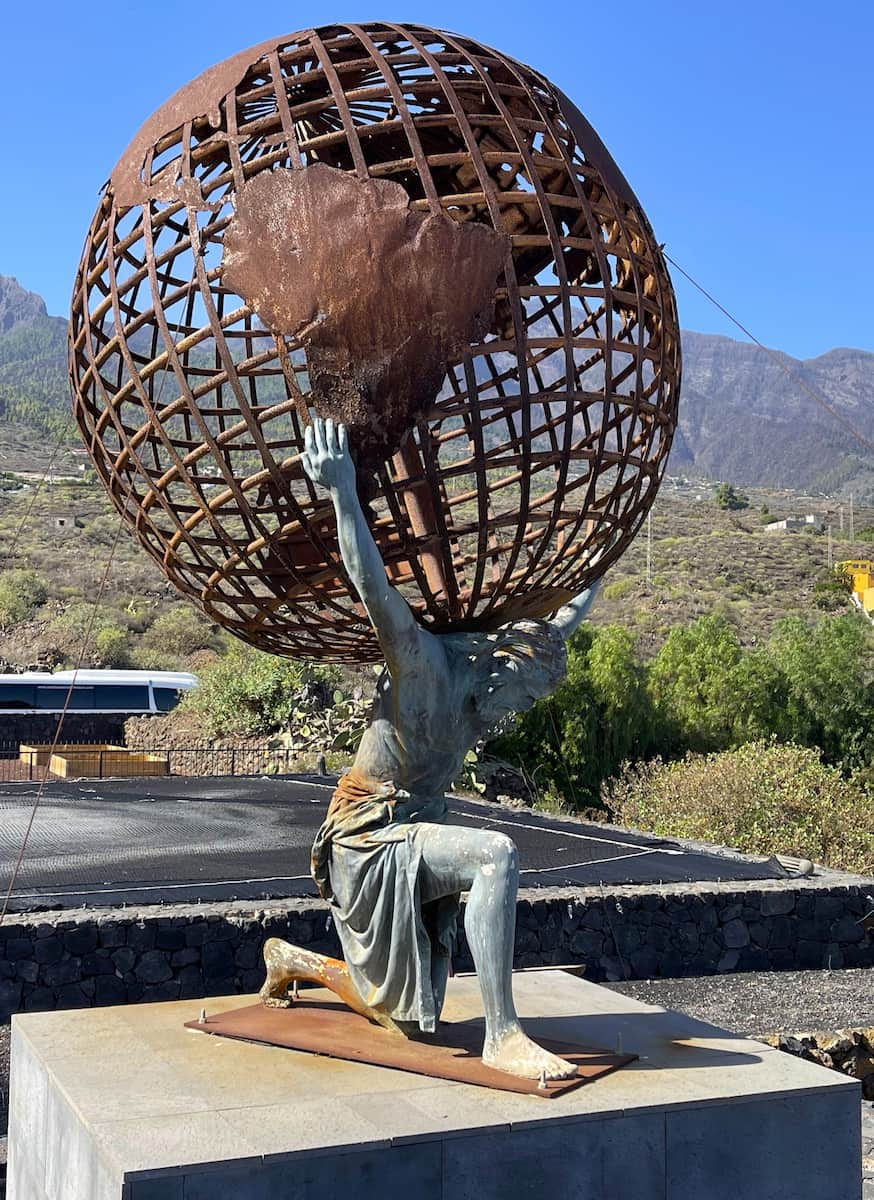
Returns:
(352, 789)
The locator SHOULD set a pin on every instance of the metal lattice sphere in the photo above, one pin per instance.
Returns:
(417, 235)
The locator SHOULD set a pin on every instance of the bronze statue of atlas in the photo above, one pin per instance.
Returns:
(377, 355)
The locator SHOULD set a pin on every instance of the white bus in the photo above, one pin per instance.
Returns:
(129, 692)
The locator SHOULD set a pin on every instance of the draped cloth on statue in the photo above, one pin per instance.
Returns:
(367, 861)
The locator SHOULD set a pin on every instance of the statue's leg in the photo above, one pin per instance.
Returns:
(439, 917)
(286, 963)
(486, 865)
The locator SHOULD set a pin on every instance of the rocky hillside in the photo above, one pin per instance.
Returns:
(18, 306)
(742, 419)
(33, 362)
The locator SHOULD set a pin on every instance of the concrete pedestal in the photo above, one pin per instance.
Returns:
(126, 1104)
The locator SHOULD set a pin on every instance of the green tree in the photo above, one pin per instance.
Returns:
(624, 709)
(726, 496)
(570, 741)
(756, 690)
(706, 692)
(827, 686)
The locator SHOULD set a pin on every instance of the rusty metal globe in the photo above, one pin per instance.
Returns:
(416, 234)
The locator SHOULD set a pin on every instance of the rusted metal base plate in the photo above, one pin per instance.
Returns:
(322, 1027)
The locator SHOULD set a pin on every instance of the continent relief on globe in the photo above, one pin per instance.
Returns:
(383, 298)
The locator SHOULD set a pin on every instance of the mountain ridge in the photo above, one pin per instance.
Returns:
(18, 305)
(742, 418)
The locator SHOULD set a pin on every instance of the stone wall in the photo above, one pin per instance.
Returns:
(100, 957)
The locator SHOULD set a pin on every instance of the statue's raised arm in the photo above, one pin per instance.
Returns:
(571, 615)
(328, 462)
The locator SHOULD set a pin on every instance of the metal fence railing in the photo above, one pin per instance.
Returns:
(35, 762)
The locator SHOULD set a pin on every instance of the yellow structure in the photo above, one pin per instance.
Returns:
(860, 572)
(94, 761)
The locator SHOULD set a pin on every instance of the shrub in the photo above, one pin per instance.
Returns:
(619, 588)
(106, 645)
(762, 798)
(21, 591)
(830, 594)
(111, 647)
(172, 638)
(247, 692)
(101, 530)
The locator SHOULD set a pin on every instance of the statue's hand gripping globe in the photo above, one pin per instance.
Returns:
(414, 234)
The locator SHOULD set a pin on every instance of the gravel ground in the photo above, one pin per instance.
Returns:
(776, 1002)
(758, 1003)
(753, 1004)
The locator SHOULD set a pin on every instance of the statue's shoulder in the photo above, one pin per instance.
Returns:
(423, 661)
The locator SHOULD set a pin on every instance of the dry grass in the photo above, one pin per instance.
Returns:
(703, 560)
(707, 560)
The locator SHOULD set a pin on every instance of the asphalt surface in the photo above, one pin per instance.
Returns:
(182, 839)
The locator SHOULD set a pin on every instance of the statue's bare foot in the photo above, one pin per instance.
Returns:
(515, 1053)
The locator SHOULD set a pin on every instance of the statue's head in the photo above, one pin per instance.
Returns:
(508, 670)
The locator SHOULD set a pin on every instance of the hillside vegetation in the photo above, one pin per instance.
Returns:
(704, 560)
(34, 392)
(140, 620)
(721, 661)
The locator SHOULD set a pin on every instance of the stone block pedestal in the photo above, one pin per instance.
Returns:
(127, 1104)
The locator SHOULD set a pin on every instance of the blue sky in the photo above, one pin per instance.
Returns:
(746, 129)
